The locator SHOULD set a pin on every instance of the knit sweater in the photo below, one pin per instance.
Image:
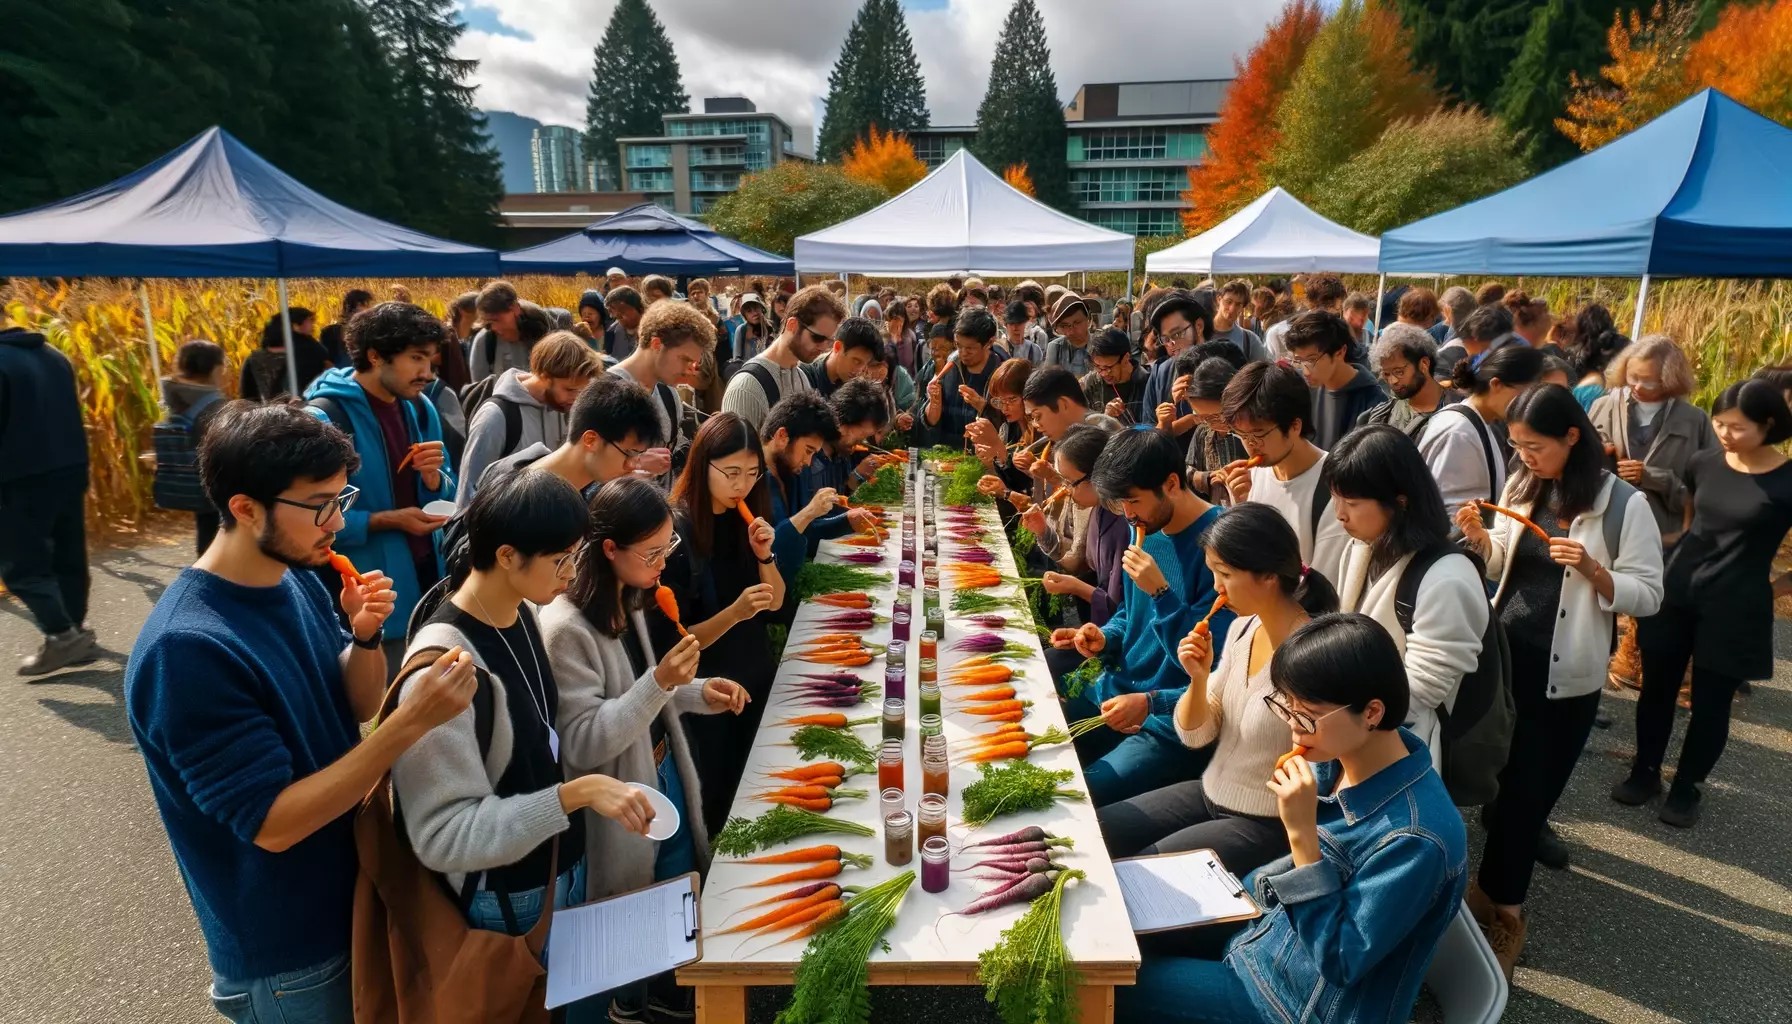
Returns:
(485, 431)
(1250, 735)
(605, 722)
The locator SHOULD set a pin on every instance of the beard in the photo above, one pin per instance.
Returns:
(280, 548)
(1410, 391)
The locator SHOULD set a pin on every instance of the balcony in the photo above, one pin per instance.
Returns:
(718, 156)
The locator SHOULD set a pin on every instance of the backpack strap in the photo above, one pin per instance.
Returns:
(1613, 520)
(767, 382)
(1486, 442)
(1406, 592)
(1322, 499)
(669, 399)
(513, 422)
(488, 344)
(205, 402)
(338, 418)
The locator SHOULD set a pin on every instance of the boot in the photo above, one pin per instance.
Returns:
(1506, 936)
(1681, 808)
(1480, 905)
(1642, 785)
(1552, 852)
(72, 646)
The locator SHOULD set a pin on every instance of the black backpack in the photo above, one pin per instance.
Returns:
(176, 442)
(477, 394)
(766, 381)
(1322, 500)
(1477, 733)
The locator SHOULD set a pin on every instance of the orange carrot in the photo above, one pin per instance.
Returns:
(1009, 716)
(993, 693)
(806, 855)
(1253, 462)
(983, 675)
(1522, 521)
(848, 659)
(827, 917)
(826, 869)
(1298, 751)
(342, 565)
(745, 512)
(849, 600)
(802, 916)
(997, 708)
(1058, 495)
(408, 456)
(822, 895)
(834, 720)
(819, 806)
(1218, 603)
(821, 787)
(1000, 752)
(668, 603)
(825, 638)
(1138, 536)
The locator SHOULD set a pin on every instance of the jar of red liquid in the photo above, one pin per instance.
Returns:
(936, 864)
(889, 765)
(930, 645)
(899, 620)
(930, 818)
(899, 839)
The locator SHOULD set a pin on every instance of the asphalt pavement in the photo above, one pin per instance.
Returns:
(1649, 925)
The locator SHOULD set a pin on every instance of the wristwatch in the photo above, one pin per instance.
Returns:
(768, 561)
(372, 643)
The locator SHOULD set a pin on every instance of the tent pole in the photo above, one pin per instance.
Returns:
(1129, 283)
(1642, 297)
(292, 354)
(1381, 288)
(149, 331)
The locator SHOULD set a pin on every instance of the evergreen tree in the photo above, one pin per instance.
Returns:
(875, 81)
(1021, 121)
(634, 80)
(439, 149)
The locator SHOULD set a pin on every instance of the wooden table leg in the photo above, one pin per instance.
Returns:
(1095, 1004)
(727, 1004)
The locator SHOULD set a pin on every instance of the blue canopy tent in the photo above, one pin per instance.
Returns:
(213, 208)
(1699, 191)
(645, 239)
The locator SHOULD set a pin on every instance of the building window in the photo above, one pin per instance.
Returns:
(1123, 144)
(715, 181)
(1128, 184)
(714, 156)
(650, 181)
(1137, 222)
(1186, 146)
(702, 204)
(650, 156)
(934, 150)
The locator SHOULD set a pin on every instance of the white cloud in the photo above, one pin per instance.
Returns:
(779, 52)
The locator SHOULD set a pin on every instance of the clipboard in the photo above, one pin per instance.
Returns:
(604, 944)
(1209, 878)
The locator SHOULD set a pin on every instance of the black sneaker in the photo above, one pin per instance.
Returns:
(1642, 785)
(1551, 851)
(627, 1013)
(1681, 808)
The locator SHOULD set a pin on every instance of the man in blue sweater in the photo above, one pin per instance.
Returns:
(795, 431)
(1170, 589)
(245, 695)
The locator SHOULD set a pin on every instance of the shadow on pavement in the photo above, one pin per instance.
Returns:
(106, 718)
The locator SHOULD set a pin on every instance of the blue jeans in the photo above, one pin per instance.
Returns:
(677, 855)
(1183, 989)
(526, 907)
(319, 994)
(1142, 762)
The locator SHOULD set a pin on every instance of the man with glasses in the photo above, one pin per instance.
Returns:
(674, 340)
(1405, 354)
(1114, 384)
(847, 357)
(1181, 321)
(1071, 317)
(1319, 346)
(402, 463)
(245, 695)
(798, 428)
(812, 317)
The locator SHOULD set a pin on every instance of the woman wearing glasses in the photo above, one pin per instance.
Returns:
(621, 704)
(489, 801)
(1557, 598)
(725, 578)
(1256, 564)
(1006, 446)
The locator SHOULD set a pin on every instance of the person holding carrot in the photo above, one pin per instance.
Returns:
(1102, 545)
(1560, 585)
(1008, 444)
(1718, 616)
(725, 582)
(1170, 588)
(958, 392)
(622, 709)
(1376, 864)
(1255, 560)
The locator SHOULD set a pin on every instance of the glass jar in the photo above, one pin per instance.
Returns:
(895, 719)
(936, 777)
(899, 839)
(936, 864)
(930, 818)
(889, 766)
(930, 645)
(895, 679)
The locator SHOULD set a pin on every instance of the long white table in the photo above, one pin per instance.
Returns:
(1096, 929)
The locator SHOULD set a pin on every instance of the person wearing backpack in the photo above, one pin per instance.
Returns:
(485, 800)
(190, 398)
(815, 314)
(498, 345)
(1403, 356)
(527, 408)
(1256, 562)
(1401, 569)
(1557, 601)
(1460, 443)
(673, 340)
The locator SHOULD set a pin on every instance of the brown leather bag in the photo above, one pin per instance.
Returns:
(416, 960)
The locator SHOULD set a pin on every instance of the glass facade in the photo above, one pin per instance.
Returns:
(1137, 222)
(1128, 184)
(718, 156)
(650, 181)
(649, 156)
(715, 181)
(558, 157)
(758, 131)
(934, 150)
(1136, 144)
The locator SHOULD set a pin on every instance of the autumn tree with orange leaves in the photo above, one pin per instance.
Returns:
(884, 159)
(1241, 142)
(1017, 178)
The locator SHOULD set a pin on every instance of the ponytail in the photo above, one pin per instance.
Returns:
(1255, 538)
(1314, 593)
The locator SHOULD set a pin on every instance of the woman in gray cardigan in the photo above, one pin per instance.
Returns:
(1650, 432)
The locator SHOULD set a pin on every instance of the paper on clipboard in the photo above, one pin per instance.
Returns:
(1180, 890)
(603, 945)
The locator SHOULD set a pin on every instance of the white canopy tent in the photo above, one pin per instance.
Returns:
(1275, 234)
(963, 219)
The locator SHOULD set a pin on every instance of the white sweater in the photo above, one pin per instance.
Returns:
(1321, 549)
(1448, 620)
(1582, 645)
(1250, 735)
(1451, 444)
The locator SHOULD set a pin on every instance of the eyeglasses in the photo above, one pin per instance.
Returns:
(326, 511)
(1004, 401)
(1300, 720)
(1643, 385)
(1180, 334)
(817, 335)
(658, 556)
(1074, 484)
(1257, 437)
(1529, 448)
(628, 454)
(1306, 362)
(1106, 368)
(570, 560)
(735, 476)
(1391, 376)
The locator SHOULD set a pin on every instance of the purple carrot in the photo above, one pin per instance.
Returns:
(1024, 889)
(981, 643)
(1024, 851)
(976, 555)
(837, 678)
(1012, 865)
(863, 558)
(987, 621)
(1030, 834)
(1018, 879)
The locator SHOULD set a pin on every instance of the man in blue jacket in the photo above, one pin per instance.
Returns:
(399, 440)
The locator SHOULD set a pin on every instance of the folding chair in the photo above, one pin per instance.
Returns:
(1465, 977)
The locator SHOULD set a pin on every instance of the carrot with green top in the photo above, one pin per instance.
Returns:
(826, 894)
(806, 855)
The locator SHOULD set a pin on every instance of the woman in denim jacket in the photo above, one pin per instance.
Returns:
(1378, 864)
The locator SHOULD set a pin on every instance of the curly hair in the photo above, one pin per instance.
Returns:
(674, 324)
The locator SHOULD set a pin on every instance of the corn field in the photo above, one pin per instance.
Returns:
(1729, 328)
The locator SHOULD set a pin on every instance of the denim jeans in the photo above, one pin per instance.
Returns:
(677, 855)
(526, 906)
(1182, 989)
(319, 994)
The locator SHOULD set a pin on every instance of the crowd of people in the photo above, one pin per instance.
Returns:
(1409, 548)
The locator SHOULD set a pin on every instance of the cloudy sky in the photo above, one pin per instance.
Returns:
(535, 55)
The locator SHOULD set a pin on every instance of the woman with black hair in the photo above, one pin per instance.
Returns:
(492, 816)
(1103, 543)
(1390, 506)
(1212, 445)
(1377, 853)
(335, 345)
(1596, 342)
(898, 388)
(265, 374)
(621, 708)
(1719, 613)
(1557, 599)
(723, 574)
(1255, 559)
(1000, 444)
(1461, 443)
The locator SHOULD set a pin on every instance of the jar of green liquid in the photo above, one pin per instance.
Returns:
(930, 700)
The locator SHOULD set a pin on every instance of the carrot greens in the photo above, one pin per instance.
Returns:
(831, 978)
(742, 836)
(1028, 973)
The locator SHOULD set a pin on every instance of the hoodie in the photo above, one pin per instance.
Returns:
(486, 430)
(1335, 412)
(385, 550)
(40, 410)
